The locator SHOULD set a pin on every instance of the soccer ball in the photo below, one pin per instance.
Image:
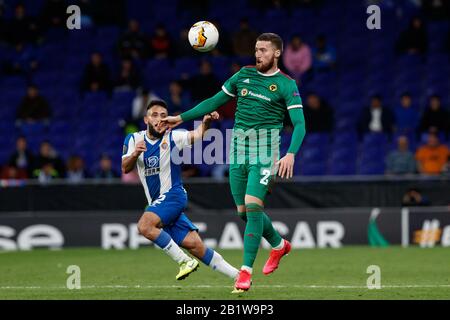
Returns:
(203, 36)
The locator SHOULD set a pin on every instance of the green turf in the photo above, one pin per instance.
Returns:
(147, 273)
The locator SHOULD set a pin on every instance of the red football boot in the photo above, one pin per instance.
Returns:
(243, 282)
(275, 257)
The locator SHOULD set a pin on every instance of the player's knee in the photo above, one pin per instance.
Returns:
(253, 207)
(147, 225)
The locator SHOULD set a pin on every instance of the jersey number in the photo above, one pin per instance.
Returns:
(159, 200)
(265, 179)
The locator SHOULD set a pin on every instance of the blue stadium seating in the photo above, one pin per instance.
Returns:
(367, 65)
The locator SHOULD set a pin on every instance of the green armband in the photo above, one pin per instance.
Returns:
(206, 106)
(298, 120)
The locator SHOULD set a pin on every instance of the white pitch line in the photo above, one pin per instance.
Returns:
(223, 286)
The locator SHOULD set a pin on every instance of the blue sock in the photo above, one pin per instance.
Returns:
(163, 239)
(206, 259)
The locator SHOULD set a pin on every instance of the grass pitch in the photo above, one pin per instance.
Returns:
(147, 273)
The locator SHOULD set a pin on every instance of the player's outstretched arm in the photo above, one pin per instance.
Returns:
(128, 163)
(207, 106)
(286, 164)
(198, 133)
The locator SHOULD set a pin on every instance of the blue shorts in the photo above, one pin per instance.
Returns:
(169, 208)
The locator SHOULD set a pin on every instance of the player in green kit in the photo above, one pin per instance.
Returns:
(263, 94)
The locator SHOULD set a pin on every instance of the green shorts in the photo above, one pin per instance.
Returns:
(252, 179)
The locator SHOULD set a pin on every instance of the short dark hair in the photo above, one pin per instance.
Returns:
(273, 38)
(157, 103)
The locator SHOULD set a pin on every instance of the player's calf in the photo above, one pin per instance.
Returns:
(211, 258)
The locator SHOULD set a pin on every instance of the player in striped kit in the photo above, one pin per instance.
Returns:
(164, 221)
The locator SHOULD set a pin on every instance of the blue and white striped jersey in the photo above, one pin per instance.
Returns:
(156, 170)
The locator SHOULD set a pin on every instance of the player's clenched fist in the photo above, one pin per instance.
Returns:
(140, 147)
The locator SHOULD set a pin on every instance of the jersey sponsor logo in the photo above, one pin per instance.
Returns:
(258, 95)
(244, 92)
(151, 171)
(296, 94)
(246, 80)
(151, 161)
(273, 87)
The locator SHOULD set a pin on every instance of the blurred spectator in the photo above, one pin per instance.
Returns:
(22, 28)
(160, 42)
(23, 60)
(33, 107)
(324, 55)
(75, 169)
(435, 117)
(10, 172)
(182, 47)
(22, 158)
(53, 14)
(244, 40)
(96, 75)
(414, 198)
(318, 115)
(406, 116)
(203, 85)
(413, 40)
(177, 101)
(432, 157)
(48, 161)
(131, 177)
(46, 173)
(128, 78)
(140, 103)
(401, 161)
(106, 171)
(133, 43)
(297, 57)
(376, 118)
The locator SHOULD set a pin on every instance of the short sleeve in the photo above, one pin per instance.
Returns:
(128, 146)
(230, 86)
(181, 138)
(292, 96)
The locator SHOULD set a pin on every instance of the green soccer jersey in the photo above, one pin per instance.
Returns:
(262, 100)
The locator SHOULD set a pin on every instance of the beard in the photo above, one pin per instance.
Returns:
(155, 133)
(265, 67)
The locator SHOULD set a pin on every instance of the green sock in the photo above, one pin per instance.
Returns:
(253, 233)
(269, 233)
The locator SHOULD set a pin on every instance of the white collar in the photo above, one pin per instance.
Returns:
(269, 75)
(152, 142)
